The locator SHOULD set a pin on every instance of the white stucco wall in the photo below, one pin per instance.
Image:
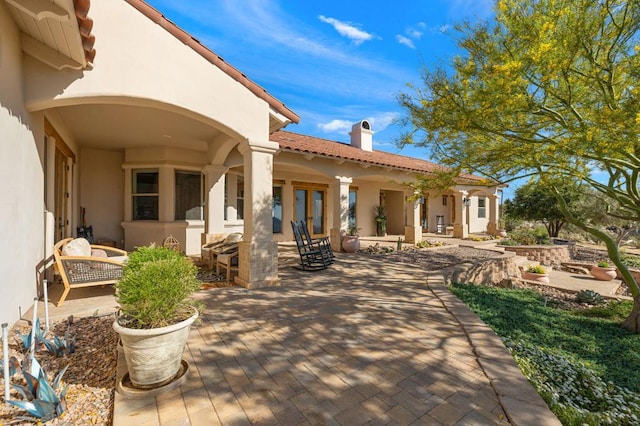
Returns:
(140, 63)
(21, 183)
(101, 184)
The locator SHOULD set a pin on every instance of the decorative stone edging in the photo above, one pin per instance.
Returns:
(519, 400)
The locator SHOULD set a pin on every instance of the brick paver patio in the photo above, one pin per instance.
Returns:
(364, 342)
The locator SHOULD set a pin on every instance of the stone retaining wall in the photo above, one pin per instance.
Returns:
(545, 255)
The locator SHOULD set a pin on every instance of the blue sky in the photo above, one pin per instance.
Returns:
(332, 62)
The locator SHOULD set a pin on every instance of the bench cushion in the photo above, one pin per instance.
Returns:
(77, 247)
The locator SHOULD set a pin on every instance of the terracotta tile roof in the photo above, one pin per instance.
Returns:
(85, 25)
(212, 57)
(294, 142)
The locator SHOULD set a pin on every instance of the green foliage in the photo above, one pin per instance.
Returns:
(615, 311)
(155, 287)
(631, 261)
(518, 103)
(43, 400)
(603, 264)
(535, 201)
(608, 349)
(380, 213)
(526, 237)
(536, 269)
(399, 244)
(572, 390)
(591, 297)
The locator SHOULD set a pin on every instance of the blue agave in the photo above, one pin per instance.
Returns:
(14, 366)
(26, 338)
(41, 400)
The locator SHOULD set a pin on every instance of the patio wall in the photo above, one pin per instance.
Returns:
(21, 182)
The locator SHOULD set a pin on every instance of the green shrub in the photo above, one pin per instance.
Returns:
(616, 311)
(603, 264)
(155, 287)
(528, 236)
(630, 260)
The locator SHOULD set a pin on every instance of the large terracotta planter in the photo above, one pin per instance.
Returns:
(351, 243)
(603, 274)
(532, 276)
(153, 356)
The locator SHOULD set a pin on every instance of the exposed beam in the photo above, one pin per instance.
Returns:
(49, 56)
(41, 9)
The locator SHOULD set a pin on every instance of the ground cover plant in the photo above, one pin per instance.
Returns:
(585, 366)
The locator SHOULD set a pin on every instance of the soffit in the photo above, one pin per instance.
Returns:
(56, 32)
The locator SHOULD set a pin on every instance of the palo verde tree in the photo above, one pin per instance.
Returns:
(534, 201)
(549, 88)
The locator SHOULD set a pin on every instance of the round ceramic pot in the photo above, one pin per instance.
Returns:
(351, 243)
(532, 276)
(501, 233)
(153, 356)
(603, 274)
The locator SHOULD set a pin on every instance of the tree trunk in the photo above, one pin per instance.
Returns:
(633, 320)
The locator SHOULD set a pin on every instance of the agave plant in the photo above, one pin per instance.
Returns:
(14, 366)
(57, 345)
(26, 338)
(42, 400)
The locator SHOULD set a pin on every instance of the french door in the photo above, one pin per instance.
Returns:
(311, 206)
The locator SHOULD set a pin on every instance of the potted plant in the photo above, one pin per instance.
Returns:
(381, 221)
(536, 273)
(603, 271)
(351, 241)
(155, 313)
(501, 231)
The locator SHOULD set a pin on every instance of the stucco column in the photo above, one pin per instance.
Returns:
(494, 206)
(460, 226)
(258, 255)
(340, 211)
(412, 228)
(167, 189)
(215, 179)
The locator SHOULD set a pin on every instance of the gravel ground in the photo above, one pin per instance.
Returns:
(91, 376)
(433, 259)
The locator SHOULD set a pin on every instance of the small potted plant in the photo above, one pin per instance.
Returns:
(351, 241)
(155, 313)
(536, 273)
(381, 221)
(603, 271)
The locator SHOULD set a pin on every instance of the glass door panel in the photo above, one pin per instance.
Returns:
(301, 205)
(318, 213)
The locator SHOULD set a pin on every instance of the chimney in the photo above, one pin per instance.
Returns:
(362, 136)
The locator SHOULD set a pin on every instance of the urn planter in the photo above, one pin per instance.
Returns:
(603, 273)
(534, 276)
(154, 355)
(351, 243)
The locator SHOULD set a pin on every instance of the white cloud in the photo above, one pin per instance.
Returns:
(346, 29)
(335, 126)
(413, 33)
(405, 41)
(379, 122)
(444, 28)
(382, 120)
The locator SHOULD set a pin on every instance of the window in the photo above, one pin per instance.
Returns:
(353, 195)
(444, 200)
(145, 194)
(189, 196)
(482, 207)
(240, 198)
(277, 210)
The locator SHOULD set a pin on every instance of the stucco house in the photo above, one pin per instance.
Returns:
(112, 116)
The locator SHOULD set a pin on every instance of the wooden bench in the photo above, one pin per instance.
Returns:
(81, 264)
